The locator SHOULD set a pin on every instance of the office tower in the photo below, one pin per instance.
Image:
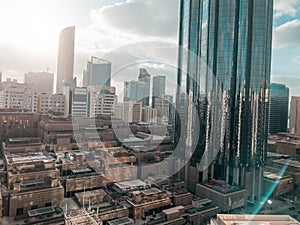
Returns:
(77, 102)
(295, 115)
(149, 115)
(145, 77)
(134, 90)
(278, 108)
(102, 100)
(158, 87)
(19, 96)
(65, 63)
(225, 76)
(164, 110)
(42, 82)
(98, 72)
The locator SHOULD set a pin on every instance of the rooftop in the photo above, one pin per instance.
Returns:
(130, 184)
(230, 219)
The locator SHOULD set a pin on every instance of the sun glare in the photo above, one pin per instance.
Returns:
(30, 26)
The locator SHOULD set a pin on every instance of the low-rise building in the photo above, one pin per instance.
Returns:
(144, 202)
(231, 219)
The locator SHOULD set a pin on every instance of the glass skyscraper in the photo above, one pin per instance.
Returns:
(278, 108)
(223, 76)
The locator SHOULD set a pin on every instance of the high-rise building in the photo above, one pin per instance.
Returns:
(158, 88)
(134, 90)
(78, 102)
(42, 82)
(295, 116)
(225, 78)
(98, 72)
(145, 77)
(278, 108)
(102, 100)
(65, 63)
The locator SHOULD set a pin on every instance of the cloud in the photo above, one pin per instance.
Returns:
(284, 7)
(139, 18)
(287, 34)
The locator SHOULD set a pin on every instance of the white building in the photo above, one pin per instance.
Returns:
(19, 96)
(102, 100)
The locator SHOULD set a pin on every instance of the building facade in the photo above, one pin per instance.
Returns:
(98, 73)
(158, 87)
(225, 78)
(102, 100)
(51, 103)
(278, 108)
(18, 96)
(145, 77)
(42, 82)
(65, 64)
(295, 115)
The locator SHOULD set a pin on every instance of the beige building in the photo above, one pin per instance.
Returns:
(42, 82)
(65, 63)
(51, 103)
(16, 124)
(32, 179)
(295, 116)
(102, 100)
(231, 219)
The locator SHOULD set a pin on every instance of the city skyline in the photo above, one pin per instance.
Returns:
(92, 40)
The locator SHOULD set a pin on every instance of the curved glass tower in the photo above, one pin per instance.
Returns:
(226, 76)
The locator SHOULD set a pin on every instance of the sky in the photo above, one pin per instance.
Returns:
(30, 34)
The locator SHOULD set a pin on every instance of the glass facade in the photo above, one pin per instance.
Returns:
(278, 108)
(224, 72)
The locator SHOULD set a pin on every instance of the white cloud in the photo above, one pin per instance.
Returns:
(287, 34)
(285, 7)
(139, 18)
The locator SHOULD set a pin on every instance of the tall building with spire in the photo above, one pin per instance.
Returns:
(65, 63)
(223, 81)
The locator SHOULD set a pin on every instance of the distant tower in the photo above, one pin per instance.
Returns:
(98, 72)
(145, 77)
(158, 88)
(278, 108)
(65, 64)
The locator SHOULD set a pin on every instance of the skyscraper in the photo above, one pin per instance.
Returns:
(278, 108)
(98, 72)
(134, 90)
(158, 87)
(145, 77)
(295, 115)
(231, 40)
(65, 63)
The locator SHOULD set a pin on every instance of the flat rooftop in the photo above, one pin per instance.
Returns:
(29, 157)
(130, 184)
(230, 219)
(151, 191)
(121, 221)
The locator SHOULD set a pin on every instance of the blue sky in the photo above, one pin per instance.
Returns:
(30, 30)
